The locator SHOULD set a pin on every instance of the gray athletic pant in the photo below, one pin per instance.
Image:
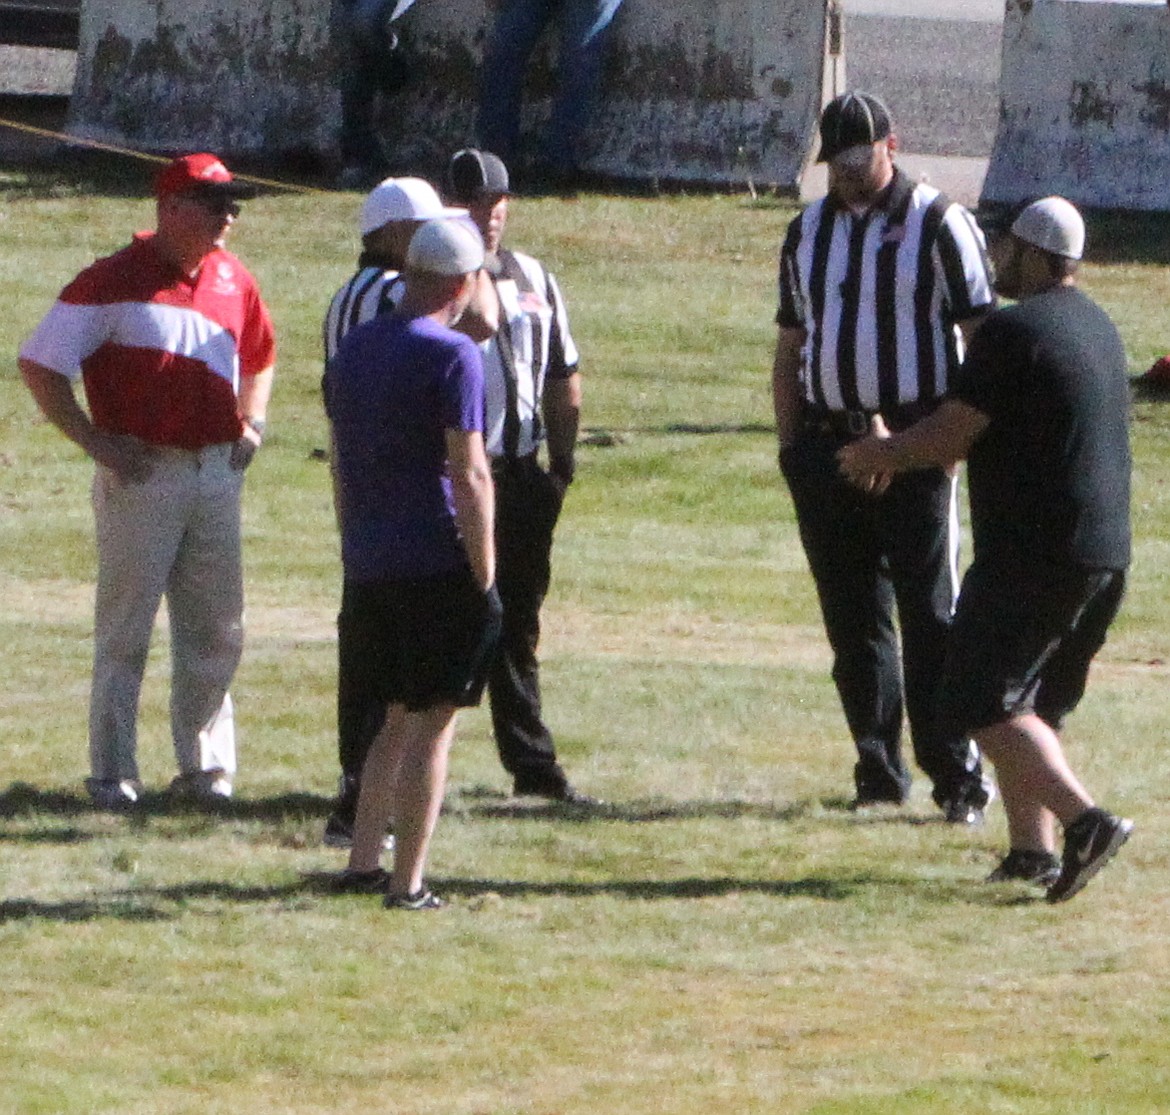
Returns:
(176, 534)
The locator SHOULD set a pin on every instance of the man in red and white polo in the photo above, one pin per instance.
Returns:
(175, 349)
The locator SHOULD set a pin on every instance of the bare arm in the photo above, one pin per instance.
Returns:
(130, 458)
(471, 480)
(481, 319)
(255, 391)
(786, 384)
(561, 407)
(939, 440)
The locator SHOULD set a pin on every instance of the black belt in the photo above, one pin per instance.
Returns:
(856, 423)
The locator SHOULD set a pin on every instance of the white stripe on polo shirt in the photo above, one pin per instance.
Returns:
(70, 333)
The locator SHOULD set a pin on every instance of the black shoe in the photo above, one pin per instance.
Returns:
(1025, 866)
(420, 900)
(1090, 842)
(338, 830)
(968, 804)
(362, 882)
(339, 826)
(867, 799)
(963, 813)
(563, 792)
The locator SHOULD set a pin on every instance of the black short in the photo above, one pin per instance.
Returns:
(421, 642)
(1022, 641)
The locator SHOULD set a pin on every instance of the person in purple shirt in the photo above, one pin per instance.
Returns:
(413, 488)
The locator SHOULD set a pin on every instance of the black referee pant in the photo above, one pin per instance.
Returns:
(528, 504)
(867, 555)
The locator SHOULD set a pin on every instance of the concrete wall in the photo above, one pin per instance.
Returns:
(1085, 105)
(703, 90)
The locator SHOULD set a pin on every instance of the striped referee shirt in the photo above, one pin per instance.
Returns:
(371, 292)
(541, 348)
(879, 296)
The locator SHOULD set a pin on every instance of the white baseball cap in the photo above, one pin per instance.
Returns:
(1054, 225)
(445, 247)
(402, 199)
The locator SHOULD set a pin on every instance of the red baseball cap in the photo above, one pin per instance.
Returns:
(201, 173)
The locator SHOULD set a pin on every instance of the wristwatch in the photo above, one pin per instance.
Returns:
(257, 424)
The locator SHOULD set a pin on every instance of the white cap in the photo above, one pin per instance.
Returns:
(1053, 225)
(445, 248)
(402, 199)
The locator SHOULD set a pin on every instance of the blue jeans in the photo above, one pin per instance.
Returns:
(583, 30)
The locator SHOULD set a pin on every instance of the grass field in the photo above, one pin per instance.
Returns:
(724, 935)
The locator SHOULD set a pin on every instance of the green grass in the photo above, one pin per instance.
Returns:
(724, 936)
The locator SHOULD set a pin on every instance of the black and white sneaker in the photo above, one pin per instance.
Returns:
(969, 805)
(1090, 842)
(1023, 865)
(420, 900)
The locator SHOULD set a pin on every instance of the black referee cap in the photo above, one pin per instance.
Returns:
(851, 119)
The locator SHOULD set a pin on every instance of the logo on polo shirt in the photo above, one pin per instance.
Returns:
(224, 281)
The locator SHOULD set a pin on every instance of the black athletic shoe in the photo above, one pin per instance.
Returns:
(564, 792)
(969, 805)
(362, 882)
(420, 900)
(339, 832)
(1090, 842)
(868, 799)
(339, 826)
(1025, 866)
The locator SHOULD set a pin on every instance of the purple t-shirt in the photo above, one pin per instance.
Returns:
(394, 388)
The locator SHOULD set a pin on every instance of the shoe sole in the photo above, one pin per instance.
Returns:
(1044, 880)
(427, 901)
(1086, 873)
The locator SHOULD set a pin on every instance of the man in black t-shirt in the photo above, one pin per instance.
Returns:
(1040, 410)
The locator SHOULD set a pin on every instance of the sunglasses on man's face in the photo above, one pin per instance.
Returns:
(219, 204)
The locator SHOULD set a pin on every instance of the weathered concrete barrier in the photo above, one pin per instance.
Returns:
(1085, 105)
(695, 90)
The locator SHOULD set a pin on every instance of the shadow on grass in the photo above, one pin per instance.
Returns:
(148, 903)
(169, 903)
(21, 800)
(480, 802)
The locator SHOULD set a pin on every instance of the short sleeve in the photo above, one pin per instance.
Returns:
(986, 378)
(962, 258)
(790, 314)
(463, 403)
